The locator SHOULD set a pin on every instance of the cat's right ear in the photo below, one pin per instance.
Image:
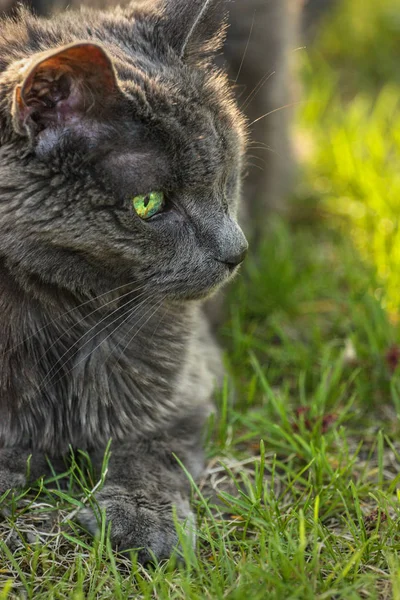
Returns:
(194, 27)
(59, 88)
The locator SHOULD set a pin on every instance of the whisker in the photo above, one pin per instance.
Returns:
(158, 324)
(264, 149)
(104, 340)
(274, 111)
(84, 319)
(253, 166)
(258, 145)
(68, 312)
(140, 328)
(257, 158)
(298, 49)
(50, 377)
(256, 90)
(247, 46)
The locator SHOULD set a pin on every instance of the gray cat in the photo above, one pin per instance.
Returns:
(121, 153)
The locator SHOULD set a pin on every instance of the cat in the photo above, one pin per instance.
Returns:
(121, 154)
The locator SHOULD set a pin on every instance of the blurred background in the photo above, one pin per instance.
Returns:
(327, 284)
(348, 129)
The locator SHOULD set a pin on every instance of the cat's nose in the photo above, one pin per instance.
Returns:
(236, 259)
(230, 245)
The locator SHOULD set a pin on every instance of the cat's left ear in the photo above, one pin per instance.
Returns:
(194, 27)
(61, 87)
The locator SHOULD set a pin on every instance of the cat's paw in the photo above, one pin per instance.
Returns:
(10, 480)
(141, 523)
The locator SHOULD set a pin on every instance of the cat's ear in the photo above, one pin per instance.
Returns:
(60, 87)
(195, 26)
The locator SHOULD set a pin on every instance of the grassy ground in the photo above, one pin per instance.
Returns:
(302, 494)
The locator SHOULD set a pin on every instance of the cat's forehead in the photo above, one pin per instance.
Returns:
(161, 154)
(177, 96)
(172, 132)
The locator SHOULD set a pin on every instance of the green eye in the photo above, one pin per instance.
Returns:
(148, 205)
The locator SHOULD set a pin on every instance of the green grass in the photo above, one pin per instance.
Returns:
(351, 125)
(301, 498)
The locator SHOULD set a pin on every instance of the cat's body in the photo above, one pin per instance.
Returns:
(102, 329)
(102, 332)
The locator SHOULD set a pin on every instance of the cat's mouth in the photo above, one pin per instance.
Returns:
(203, 287)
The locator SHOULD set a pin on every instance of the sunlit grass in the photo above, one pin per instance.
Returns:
(351, 124)
(361, 41)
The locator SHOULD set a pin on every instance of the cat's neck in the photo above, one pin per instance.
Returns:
(126, 318)
(99, 369)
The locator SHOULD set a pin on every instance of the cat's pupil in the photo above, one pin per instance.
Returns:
(146, 201)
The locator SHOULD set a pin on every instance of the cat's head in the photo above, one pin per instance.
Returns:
(121, 150)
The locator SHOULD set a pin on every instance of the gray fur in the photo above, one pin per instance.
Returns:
(102, 332)
(262, 37)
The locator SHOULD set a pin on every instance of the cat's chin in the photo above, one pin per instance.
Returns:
(206, 292)
(194, 296)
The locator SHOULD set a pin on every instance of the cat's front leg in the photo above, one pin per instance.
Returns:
(19, 467)
(144, 486)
